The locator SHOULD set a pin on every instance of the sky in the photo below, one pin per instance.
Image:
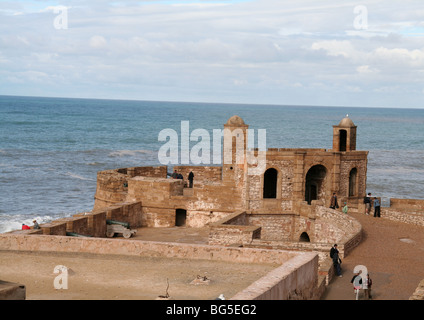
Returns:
(305, 52)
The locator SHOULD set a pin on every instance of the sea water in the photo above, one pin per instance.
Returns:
(52, 148)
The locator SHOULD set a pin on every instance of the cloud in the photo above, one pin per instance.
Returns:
(268, 51)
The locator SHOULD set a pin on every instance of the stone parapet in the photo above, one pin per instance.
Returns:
(295, 280)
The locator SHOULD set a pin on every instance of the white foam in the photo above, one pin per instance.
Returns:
(76, 176)
(10, 223)
(123, 153)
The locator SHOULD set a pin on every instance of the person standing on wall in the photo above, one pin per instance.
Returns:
(376, 207)
(334, 204)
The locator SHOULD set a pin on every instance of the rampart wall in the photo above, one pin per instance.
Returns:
(409, 211)
(296, 278)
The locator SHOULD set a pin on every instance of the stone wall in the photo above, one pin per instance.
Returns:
(201, 173)
(409, 211)
(295, 280)
(325, 228)
(117, 246)
(407, 204)
(297, 276)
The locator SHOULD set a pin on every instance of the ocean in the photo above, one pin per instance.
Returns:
(52, 148)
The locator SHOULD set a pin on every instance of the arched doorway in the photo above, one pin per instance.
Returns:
(180, 217)
(353, 175)
(270, 183)
(314, 183)
(343, 140)
(304, 237)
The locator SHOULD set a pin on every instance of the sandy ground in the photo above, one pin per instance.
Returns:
(393, 254)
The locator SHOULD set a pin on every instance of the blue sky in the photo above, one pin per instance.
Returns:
(307, 52)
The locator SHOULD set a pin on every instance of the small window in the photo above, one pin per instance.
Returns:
(352, 182)
(180, 217)
(343, 140)
(304, 237)
(270, 183)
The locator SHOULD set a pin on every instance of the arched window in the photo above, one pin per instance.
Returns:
(314, 183)
(304, 237)
(270, 183)
(353, 175)
(343, 140)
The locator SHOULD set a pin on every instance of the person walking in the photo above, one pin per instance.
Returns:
(357, 284)
(334, 254)
(376, 208)
(334, 204)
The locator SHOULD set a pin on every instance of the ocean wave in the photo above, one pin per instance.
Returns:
(76, 176)
(95, 163)
(124, 153)
(14, 222)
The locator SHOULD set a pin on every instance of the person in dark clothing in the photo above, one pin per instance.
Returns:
(174, 175)
(376, 207)
(333, 250)
(367, 202)
(334, 254)
(190, 179)
(334, 204)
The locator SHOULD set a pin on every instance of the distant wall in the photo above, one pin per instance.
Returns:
(409, 211)
(130, 247)
(112, 185)
(324, 226)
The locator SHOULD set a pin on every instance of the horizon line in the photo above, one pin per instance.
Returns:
(206, 102)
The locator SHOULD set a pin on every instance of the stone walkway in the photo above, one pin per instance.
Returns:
(392, 252)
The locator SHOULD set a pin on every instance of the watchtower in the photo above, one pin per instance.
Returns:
(344, 135)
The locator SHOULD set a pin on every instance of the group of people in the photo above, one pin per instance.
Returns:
(372, 202)
(368, 201)
(357, 281)
(26, 227)
(335, 205)
(176, 175)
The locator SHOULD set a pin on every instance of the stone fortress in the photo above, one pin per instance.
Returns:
(279, 216)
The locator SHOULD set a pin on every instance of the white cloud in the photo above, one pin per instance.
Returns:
(366, 70)
(269, 51)
(98, 42)
(335, 47)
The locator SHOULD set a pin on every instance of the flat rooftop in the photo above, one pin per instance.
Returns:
(105, 276)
